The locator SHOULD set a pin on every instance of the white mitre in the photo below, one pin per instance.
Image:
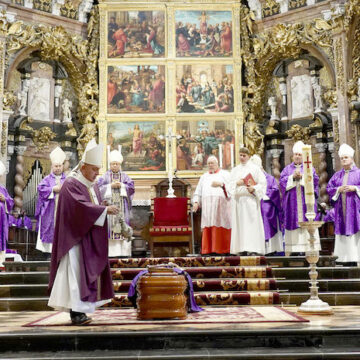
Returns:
(57, 156)
(115, 156)
(346, 150)
(2, 169)
(256, 160)
(297, 148)
(93, 153)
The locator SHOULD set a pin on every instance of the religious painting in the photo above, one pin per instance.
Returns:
(136, 34)
(204, 88)
(142, 144)
(197, 140)
(136, 89)
(301, 96)
(203, 33)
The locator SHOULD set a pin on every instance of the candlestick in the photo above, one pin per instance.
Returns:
(308, 182)
(220, 156)
(232, 155)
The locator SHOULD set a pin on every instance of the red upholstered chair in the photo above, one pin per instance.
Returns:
(170, 223)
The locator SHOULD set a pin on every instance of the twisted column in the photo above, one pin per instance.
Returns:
(19, 178)
(323, 175)
(275, 163)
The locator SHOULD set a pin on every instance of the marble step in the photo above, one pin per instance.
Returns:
(22, 266)
(338, 272)
(286, 298)
(287, 353)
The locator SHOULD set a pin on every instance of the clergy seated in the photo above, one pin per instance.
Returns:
(170, 227)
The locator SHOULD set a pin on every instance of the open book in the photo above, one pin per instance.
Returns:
(249, 180)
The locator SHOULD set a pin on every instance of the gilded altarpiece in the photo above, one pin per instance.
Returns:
(170, 72)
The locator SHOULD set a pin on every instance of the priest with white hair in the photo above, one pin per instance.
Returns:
(344, 191)
(48, 195)
(6, 204)
(271, 211)
(294, 207)
(212, 197)
(80, 277)
(117, 188)
(247, 186)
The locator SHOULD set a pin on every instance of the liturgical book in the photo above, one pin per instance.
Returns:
(249, 180)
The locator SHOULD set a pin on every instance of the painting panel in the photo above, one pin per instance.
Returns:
(197, 140)
(142, 146)
(204, 88)
(136, 34)
(203, 33)
(136, 89)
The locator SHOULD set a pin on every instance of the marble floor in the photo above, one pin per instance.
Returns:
(344, 317)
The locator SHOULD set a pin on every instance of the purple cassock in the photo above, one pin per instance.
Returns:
(107, 179)
(290, 209)
(45, 207)
(351, 224)
(75, 218)
(20, 222)
(5, 208)
(271, 209)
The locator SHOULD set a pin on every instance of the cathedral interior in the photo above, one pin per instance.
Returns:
(169, 84)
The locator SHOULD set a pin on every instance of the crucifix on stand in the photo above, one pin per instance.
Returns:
(170, 136)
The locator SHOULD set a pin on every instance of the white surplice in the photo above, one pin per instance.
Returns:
(65, 294)
(247, 232)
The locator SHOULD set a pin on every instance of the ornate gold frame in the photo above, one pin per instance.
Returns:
(170, 61)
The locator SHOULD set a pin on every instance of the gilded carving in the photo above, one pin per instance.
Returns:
(294, 4)
(297, 132)
(9, 100)
(339, 65)
(88, 131)
(69, 10)
(43, 5)
(42, 137)
(253, 138)
(330, 97)
(4, 138)
(270, 7)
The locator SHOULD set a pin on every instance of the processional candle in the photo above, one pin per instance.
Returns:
(308, 180)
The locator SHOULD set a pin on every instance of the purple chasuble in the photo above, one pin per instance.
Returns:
(271, 209)
(75, 218)
(45, 207)
(290, 209)
(5, 208)
(130, 190)
(193, 307)
(351, 224)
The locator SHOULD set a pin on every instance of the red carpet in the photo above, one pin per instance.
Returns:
(211, 315)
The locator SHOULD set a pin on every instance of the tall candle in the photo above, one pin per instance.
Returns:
(220, 156)
(108, 156)
(308, 178)
(232, 155)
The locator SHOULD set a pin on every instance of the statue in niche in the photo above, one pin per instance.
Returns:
(272, 103)
(270, 129)
(71, 131)
(23, 97)
(317, 93)
(87, 133)
(66, 108)
(253, 137)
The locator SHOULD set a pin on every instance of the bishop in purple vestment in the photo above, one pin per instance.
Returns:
(80, 277)
(48, 190)
(294, 207)
(344, 191)
(6, 204)
(117, 188)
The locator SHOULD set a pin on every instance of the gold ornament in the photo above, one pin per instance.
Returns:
(297, 133)
(42, 137)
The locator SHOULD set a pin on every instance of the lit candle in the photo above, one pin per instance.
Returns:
(232, 155)
(220, 156)
(108, 156)
(308, 180)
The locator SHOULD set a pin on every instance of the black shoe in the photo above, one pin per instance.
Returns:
(78, 318)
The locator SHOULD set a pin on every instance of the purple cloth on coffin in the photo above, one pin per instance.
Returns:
(351, 224)
(45, 207)
(130, 190)
(289, 198)
(75, 218)
(5, 208)
(271, 210)
(132, 294)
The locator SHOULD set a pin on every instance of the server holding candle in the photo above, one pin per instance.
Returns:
(299, 185)
(344, 191)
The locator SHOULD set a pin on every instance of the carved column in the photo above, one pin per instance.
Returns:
(331, 147)
(19, 178)
(323, 175)
(275, 163)
(341, 50)
(283, 91)
(335, 135)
